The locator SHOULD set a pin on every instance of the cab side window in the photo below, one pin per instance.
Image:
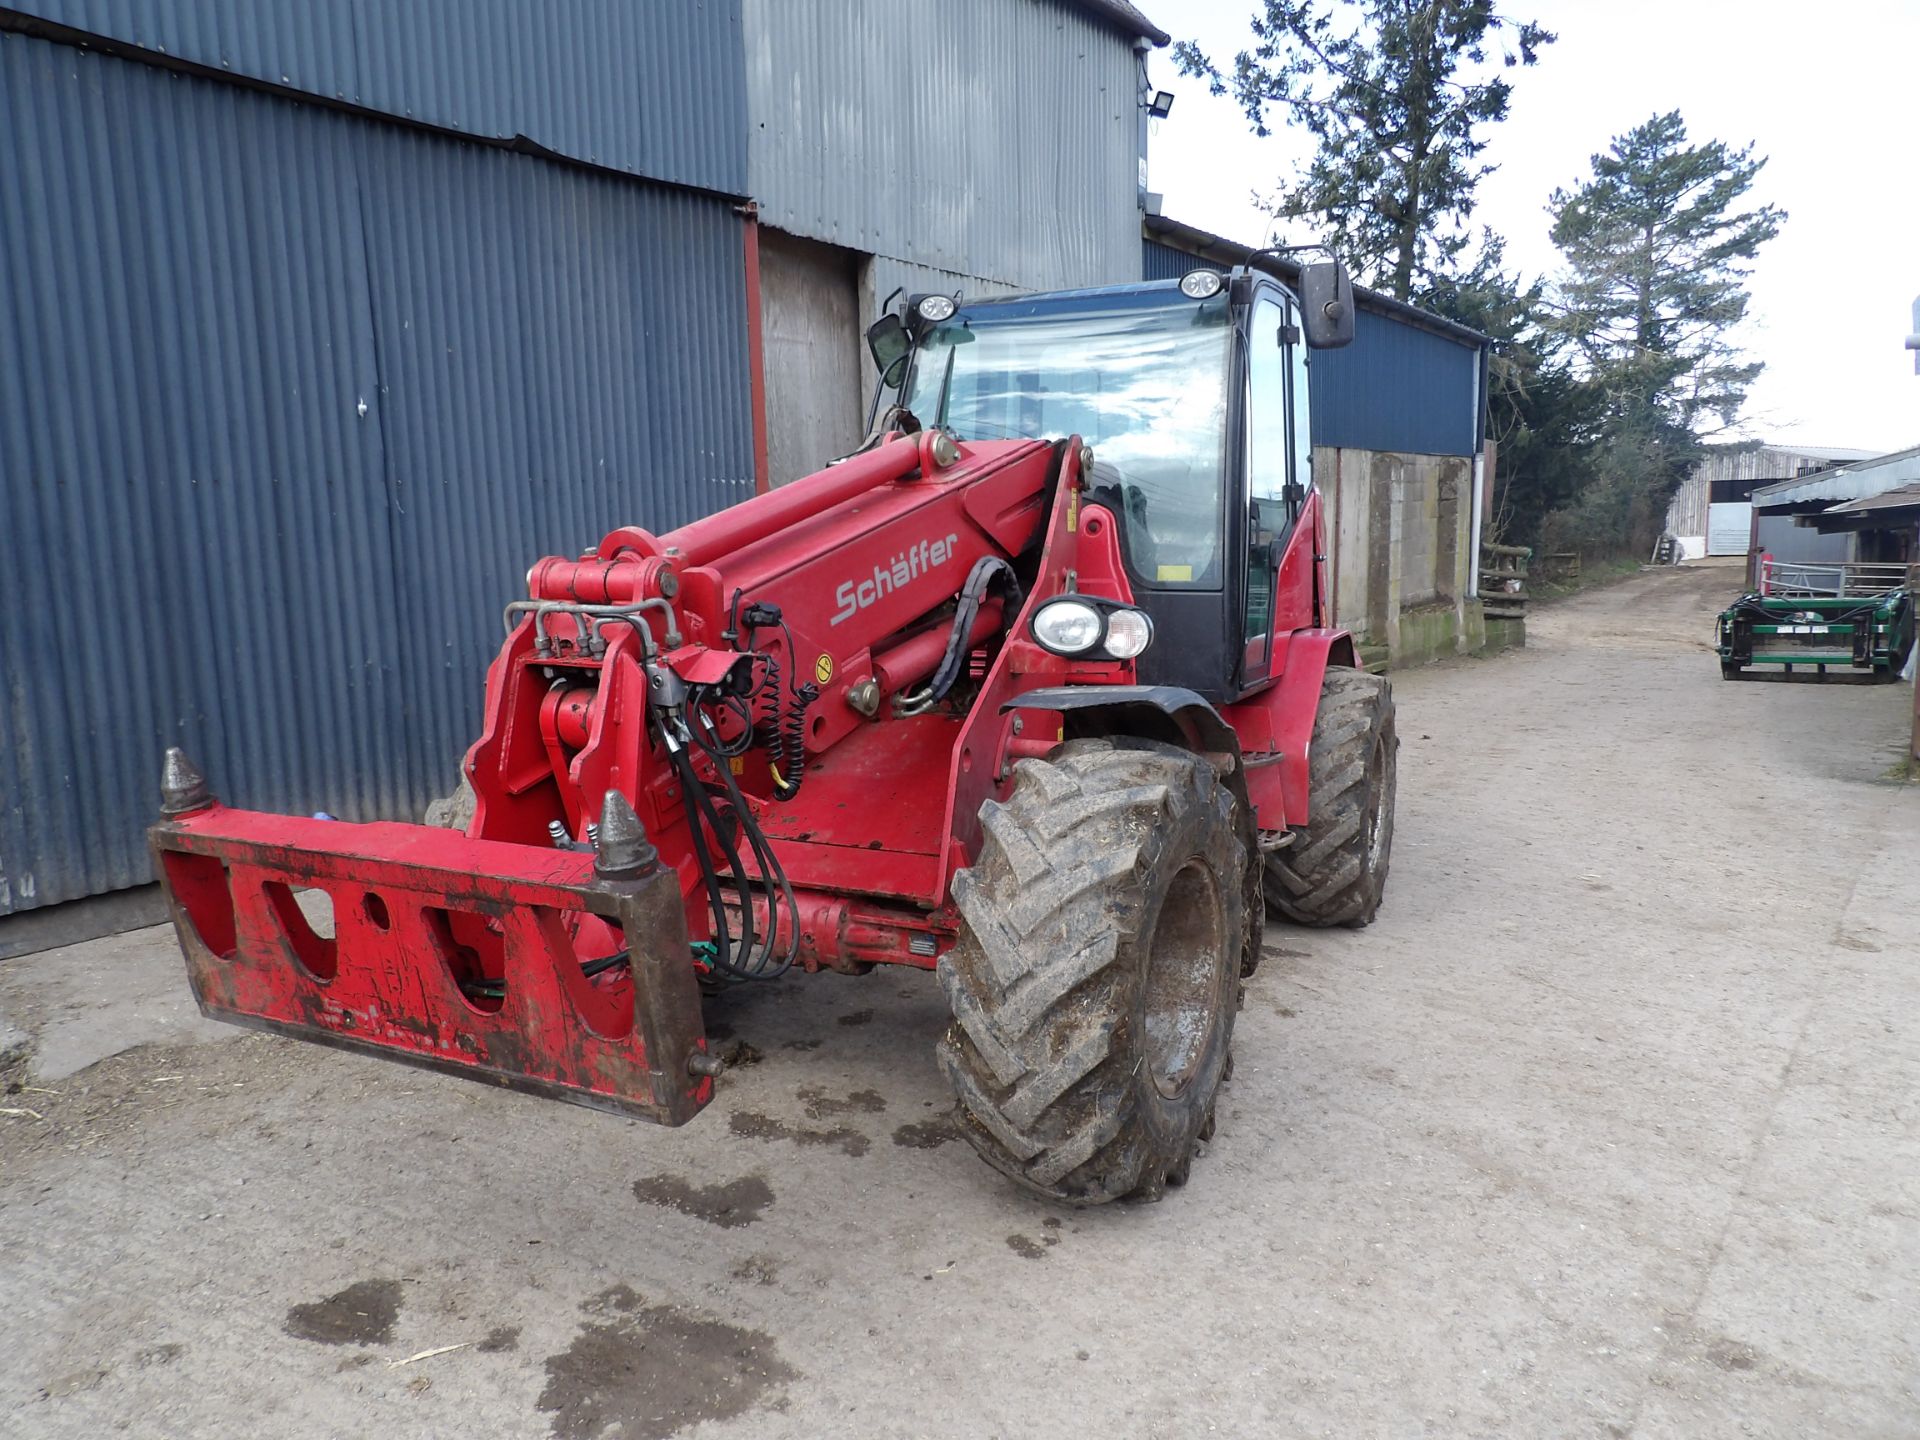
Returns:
(1300, 423)
(1268, 511)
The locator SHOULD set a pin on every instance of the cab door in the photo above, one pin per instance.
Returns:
(1268, 471)
(1279, 471)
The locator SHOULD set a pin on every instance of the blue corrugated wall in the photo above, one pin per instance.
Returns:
(1396, 387)
(650, 87)
(289, 400)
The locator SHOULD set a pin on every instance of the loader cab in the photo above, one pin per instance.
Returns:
(1193, 396)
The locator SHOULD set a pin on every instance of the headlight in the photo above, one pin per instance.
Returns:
(1128, 633)
(1200, 284)
(1095, 629)
(1067, 627)
(935, 308)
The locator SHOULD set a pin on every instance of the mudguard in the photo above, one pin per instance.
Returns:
(1155, 712)
(1275, 726)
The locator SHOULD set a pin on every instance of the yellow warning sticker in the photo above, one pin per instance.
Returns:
(823, 668)
(1174, 572)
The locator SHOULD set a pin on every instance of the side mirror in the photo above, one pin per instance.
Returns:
(1326, 305)
(889, 343)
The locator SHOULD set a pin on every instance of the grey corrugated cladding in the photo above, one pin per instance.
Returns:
(205, 539)
(649, 87)
(995, 139)
(1396, 387)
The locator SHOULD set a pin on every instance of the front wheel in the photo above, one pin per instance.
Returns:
(1335, 871)
(1096, 976)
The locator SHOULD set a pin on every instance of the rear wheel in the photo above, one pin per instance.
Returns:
(1335, 871)
(1097, 971)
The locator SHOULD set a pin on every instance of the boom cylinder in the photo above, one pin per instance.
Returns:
(753, 520)
(912, 661)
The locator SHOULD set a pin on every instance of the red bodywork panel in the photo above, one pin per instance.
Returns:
(500, 954)
(1275, 723)
(417, 913)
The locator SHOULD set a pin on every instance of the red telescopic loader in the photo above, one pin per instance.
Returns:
(1039, 691)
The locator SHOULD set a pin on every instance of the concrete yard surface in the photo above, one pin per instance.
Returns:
(1610, 1125)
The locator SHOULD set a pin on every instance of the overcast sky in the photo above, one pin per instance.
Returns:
(1830, 93)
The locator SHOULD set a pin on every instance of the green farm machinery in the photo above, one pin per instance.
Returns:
(1811, 620)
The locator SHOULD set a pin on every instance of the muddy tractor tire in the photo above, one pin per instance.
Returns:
(1097, 972)
(1335, 871)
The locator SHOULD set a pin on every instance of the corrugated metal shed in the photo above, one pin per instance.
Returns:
(992, 139)
(1844, 482)
(289, 400)
(1742, 466)
(1410, 382)
(1907, 497)
(652, 89)
(1126, 18)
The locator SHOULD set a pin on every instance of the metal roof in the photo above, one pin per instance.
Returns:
(1123, 17)
(1856, 481)
(1907, 497)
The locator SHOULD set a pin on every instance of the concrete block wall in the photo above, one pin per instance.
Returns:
(1401, 541)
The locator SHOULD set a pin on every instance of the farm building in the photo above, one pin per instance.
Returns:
(1861, 511)
(323, 320)
(1712, 511)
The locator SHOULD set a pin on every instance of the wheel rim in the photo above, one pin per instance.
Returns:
(1181, 984)
(1376, 802)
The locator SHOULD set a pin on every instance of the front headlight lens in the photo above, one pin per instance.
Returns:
(1067, 627)
(935, 308)
(1128, 633)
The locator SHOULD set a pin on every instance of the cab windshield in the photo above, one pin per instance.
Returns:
(1142, 379)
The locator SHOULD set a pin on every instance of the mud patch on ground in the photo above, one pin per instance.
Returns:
(1732, 1354)
(158, 1355)
(758, 1269)
(857, 1017)
(751, 1125)
(646, 1372)
(736, 1203)
(800, 1044)
(1027, 1248)
(500, 1339)
(928, 1134)
(361, 1314)
(614, 1300)
(76, 1382)
(821, 1106)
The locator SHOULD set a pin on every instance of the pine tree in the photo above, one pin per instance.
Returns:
(1658, 246)
(1398, 95)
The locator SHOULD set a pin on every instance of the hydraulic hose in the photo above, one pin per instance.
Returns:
(989, 571)
(766, 965)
